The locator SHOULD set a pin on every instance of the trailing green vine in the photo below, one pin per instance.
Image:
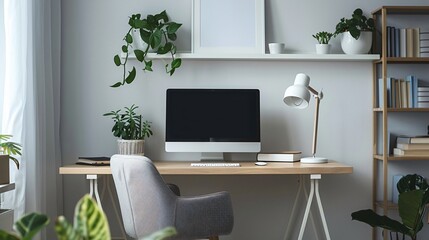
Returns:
(158, 34)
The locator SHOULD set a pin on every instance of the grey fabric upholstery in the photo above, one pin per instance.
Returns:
(147, 203)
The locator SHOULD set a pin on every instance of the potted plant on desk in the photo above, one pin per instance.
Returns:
(131, 130)
(7, 149)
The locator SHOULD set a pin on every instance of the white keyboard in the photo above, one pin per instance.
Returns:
(215, 164)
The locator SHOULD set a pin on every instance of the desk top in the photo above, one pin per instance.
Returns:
(246, 168)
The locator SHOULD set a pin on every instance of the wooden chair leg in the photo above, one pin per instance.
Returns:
(214, 238)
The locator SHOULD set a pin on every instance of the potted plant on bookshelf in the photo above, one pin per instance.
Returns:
(130, 129)
(323, 38)
(7, 149)
(155, 33)
(356, 33)
(413, 197)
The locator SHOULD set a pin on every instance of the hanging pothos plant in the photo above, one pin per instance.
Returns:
(158, 34)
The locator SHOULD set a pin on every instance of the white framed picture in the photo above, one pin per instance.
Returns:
(228, 26)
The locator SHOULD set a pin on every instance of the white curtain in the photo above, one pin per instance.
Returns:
(31, 98)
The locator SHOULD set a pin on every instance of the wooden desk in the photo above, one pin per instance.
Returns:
(247, 168)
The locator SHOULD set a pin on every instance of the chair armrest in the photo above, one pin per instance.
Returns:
(204, 216)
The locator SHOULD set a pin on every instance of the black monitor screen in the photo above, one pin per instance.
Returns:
(212, 115)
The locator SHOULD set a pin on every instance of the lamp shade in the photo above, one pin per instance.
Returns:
(298, 95)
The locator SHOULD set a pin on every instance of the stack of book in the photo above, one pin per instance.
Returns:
(95, 161)
(412, 146)
(424, 43)
(423, 97)
(287, 156)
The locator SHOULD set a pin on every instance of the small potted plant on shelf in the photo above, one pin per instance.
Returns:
(323, 38)
(130, 129)
(413, 197)
(7, 149)
(356, 33)
(155, 33)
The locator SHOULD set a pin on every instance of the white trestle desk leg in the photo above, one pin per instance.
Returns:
(314, 178)
(322, 214)
(93, 188)
(294, 212)
(293, 215)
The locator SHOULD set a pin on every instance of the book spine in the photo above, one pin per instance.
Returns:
(403, 42)
(416, 43)
(410, 41)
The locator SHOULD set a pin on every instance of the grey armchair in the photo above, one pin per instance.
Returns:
(147, 203)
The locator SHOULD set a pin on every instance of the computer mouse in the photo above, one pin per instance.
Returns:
(260, 163)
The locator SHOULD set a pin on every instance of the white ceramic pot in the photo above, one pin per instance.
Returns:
(360, 46)
(130, 147)
(323, 48)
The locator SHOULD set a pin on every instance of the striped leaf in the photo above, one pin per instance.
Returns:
(30, 225)
(90, 223)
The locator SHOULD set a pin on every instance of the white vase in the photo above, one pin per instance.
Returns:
(323, 48)
(130, 147)
(360, 46)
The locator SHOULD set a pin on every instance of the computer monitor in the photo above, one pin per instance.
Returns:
(212, 121)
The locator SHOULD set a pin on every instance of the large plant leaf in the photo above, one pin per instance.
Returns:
(162, 234)
(90, 220)
(412, 182)
(368, 216)
(7, 236)
(411, 209)
(30, 224)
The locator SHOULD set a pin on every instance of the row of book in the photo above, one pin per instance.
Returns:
(412, 146)
(407, 42)
(404, 93)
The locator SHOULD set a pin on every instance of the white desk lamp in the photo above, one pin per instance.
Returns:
(298, 96)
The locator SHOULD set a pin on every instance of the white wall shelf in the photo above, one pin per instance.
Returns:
(269, 57)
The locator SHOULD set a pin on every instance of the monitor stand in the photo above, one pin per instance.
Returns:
(212, 156)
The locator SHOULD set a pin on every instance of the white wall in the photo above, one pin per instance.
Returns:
(91, 35)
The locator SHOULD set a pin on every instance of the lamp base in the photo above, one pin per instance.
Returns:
(314, 160)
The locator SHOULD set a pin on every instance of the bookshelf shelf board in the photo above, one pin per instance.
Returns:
(404, 60)
(7, 187)
(403, 10)
(269, 57)
(402, 158)
(402, 109)
(390, 205)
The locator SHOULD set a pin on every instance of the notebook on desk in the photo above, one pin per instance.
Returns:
(95, 161)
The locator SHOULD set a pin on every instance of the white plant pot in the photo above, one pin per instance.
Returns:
(323, 48)
(130, 147)
(360, 46)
